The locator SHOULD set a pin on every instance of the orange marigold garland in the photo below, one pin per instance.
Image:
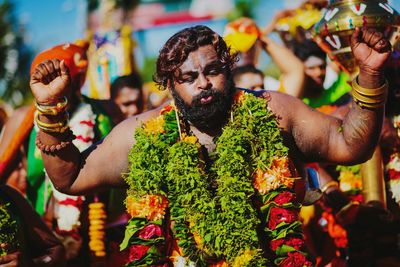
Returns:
(212, 237)
(97, 217)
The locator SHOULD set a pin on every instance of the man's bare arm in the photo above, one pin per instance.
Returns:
(319, 137)
(101, 165)
(353, 139)
(292, 68)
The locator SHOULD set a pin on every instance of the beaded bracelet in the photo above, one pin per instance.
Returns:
(55, 147)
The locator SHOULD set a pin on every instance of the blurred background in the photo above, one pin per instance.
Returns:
(28, 27)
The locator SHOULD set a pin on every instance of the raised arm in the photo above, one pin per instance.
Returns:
(72, 172)
(319, 137)
(292, 68)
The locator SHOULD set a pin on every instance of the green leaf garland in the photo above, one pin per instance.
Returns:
(219, 222)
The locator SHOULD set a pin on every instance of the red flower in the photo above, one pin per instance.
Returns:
(393, 174)
(167, 108)
(295, 242)
(295, 259)
(357, 198)
(136, 252)
(150, 231)
(275, 244)
(278, 215)
(283, 198)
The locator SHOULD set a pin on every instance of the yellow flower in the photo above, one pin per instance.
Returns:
(189, 139)
(244, 259)
(348, 181)
(155, 125)
(151, 207)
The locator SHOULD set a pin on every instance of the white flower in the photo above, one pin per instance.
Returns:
(395, 188)
(394, 163)
(67, 217)
(180, 261)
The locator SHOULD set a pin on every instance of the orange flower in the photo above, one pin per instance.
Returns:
(239, 96)
(327, 109)
(336, 231)
(277, 175)
(219, 264)
(151, 207)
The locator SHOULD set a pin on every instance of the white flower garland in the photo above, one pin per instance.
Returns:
(393, 167)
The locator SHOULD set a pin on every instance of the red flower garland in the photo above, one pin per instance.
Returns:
(281, 211)
(295, 259)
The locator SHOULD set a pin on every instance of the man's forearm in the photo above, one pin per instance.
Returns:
(63, 165)
(362, 126)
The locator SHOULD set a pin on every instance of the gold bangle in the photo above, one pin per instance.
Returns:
(58, 127)
(369, 98)
(52, 110)
(369, 91)
(329, 184)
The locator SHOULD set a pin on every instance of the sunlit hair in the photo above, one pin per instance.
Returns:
(176, 50)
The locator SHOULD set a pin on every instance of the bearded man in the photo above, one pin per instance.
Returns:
(211, 170)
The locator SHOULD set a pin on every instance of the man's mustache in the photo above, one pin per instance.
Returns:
(204, 94)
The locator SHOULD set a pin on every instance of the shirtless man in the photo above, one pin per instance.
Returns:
(196, 66)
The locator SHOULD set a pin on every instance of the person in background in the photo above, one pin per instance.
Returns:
(314, 60)
(34, 243)
(292, 76)
(90, 120)
(248, 77)
(127, 93)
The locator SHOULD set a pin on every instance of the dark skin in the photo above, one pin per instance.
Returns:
(311, 135)
(72, 92)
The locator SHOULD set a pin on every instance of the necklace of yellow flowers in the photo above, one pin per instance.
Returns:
(241, 211)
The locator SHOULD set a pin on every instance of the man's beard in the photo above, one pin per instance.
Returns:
(209, 116)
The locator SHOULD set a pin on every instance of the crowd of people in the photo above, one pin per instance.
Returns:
(233, 168)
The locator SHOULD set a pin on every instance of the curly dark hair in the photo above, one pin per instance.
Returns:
(176, 50)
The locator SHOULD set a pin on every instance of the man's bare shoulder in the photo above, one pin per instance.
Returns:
(281, 105)
(125, 130)
(137, 120)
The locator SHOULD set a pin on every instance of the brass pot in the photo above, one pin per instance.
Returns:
(334, 30)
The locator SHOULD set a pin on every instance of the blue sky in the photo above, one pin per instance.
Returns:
(51, 22)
